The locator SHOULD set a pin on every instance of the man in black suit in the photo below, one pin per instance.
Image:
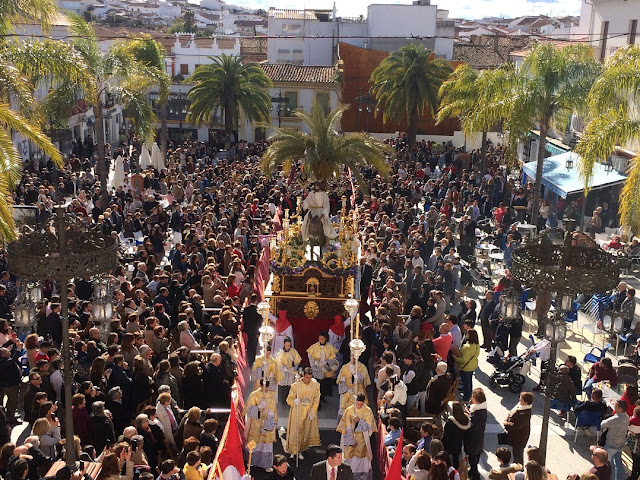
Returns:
(251, 321)
(332, 468)
(488, 307)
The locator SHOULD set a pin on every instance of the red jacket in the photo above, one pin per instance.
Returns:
(599, 374)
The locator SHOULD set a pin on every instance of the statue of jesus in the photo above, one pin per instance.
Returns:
(316, 222)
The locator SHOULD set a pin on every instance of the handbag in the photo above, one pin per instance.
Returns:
(503, 438)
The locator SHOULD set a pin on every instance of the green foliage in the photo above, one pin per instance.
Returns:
(323, 151)
(228, 85)
(407, 83)
(25, 116)
(613, 102)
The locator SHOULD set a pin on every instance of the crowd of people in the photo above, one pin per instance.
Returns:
(143, 398)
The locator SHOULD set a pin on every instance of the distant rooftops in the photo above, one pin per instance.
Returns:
(307, 14)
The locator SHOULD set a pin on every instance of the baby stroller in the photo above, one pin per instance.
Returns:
(510, 372)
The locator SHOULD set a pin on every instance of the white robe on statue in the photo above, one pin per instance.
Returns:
(317, 204)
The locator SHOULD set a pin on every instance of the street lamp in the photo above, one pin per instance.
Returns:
(367, 104)
(569, 163)
(283, 107)
(102, 306)
(565, 263)
(510, 306)
(61, 249)
(266, 331)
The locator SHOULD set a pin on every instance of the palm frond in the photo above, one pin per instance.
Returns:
(630, 199)
(602, 135)
(323, 151)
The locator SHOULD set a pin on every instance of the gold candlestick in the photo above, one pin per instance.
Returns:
(251, 446)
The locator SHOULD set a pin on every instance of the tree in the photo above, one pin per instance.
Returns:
(19, 113)
(324, 152)
(613, 102)
(550, 85)
(406, 83)
(460, 97)
(228, 85)
(151, 54)
(115, 72)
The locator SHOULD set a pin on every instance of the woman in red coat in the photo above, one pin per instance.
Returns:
(81, 419)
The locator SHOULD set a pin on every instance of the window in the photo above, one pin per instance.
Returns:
(284, 55)
(184, 69)
(323, 101)
(297, 57)
(633, 28)
(292, 105)
(291, 29)
(603, 45)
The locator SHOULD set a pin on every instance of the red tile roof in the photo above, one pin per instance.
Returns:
(288, 73)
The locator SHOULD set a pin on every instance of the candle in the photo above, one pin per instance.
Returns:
(357, 325)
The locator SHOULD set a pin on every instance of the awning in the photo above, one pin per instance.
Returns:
(563, 182)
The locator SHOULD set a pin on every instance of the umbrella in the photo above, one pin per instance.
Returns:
(157, 159)
(117, 176)
(145, 158)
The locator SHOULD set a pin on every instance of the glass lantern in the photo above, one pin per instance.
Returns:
(566, 303)
(351, 306)
(556, 331)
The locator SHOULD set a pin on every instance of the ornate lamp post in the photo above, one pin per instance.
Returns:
(61, 249)
(26, 307)
(564, 263)
(356, 345)
(102, 306)
(266, 331)
(510, 306)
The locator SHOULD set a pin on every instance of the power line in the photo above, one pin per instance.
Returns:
(118, 36)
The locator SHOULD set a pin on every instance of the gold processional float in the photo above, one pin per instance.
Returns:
(312, 281)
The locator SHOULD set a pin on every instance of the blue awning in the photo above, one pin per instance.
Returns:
(563, 182)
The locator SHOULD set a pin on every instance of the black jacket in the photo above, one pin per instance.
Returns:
(122, 416)
(251, 320)
(319, 472)
(453, 436)
(474, 437)
(10, 374)
(103, 432)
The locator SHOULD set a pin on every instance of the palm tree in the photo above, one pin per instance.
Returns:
(613, 102)
(406, 83)
(115, 72)
(324, 152)
(229, 85)
(550, 85)
(19, 113)
(459, 97)
(151, 54)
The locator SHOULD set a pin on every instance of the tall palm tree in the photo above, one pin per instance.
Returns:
(406, 83)
(459, 97)
(151, 54)
(19, 113)
(229, 85)
(323, 151)
(550, 85)
(613, 102)
(116, 72)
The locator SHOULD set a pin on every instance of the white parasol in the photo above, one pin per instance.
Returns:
(157, 159)
(145, 158)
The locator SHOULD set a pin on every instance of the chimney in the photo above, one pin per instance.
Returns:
(496, 43)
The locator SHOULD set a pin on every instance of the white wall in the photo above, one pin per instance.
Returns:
(619, 14)
(390, 20)
(193, 55)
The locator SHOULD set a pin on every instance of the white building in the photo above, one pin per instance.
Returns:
(610, 24)
(190, 51)
(312, 35)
